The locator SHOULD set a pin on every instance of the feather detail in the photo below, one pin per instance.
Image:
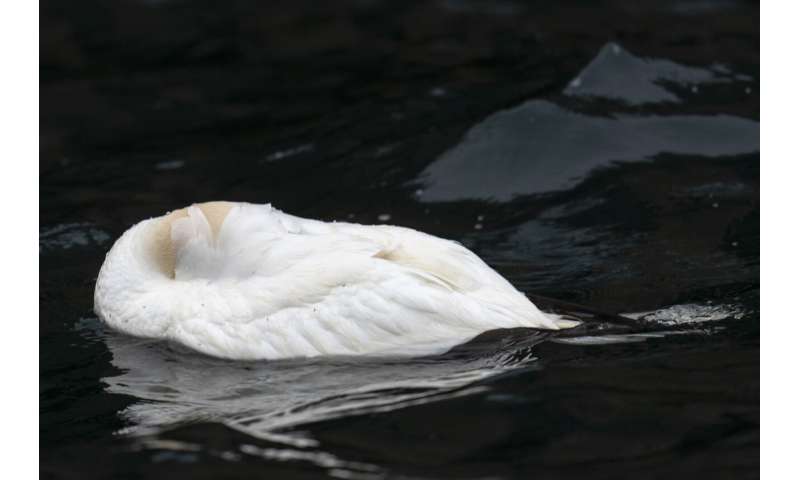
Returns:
(251, 282)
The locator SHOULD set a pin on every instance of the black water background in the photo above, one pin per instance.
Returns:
(334, 112)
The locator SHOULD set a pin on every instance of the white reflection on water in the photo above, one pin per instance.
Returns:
(261, 398)
(264, 399)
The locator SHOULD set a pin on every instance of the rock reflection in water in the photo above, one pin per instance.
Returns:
(541, 146)
(617, 74)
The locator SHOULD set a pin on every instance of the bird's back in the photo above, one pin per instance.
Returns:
(270, 285)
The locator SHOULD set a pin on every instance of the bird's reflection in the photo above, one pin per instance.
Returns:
(174, 386)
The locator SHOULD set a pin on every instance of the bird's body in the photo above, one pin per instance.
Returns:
(245, 281)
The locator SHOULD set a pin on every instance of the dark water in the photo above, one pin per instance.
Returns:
(603, 153)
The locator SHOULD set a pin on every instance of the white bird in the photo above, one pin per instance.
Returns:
(246, 281)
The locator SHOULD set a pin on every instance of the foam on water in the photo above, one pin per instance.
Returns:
(686, 315)
(71, 235)
(690, 313)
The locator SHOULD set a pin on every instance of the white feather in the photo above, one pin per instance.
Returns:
(268, 285)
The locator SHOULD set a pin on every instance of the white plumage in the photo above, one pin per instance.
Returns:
(245, 281)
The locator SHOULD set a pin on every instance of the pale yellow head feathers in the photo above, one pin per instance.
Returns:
(163, 247)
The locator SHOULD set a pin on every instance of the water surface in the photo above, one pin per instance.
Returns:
(603, 154)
